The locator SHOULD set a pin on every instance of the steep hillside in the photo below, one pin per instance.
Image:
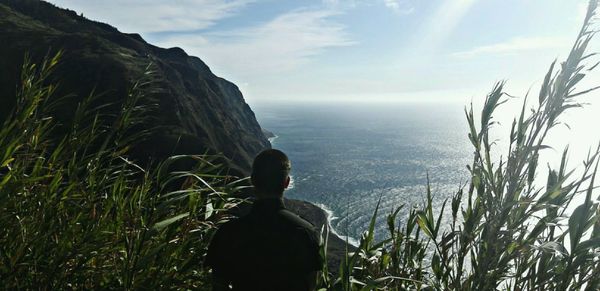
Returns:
(197, 111)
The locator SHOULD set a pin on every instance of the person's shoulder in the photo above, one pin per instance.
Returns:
(230, 227)
(295, 220)
(228, 233)
(304, 230)
(220, 243)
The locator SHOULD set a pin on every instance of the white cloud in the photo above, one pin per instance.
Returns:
(399, 6)
(155, 15)
(515, 45)
(279, 45)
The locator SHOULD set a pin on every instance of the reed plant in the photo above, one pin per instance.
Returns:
(506, 232)
(76, 213)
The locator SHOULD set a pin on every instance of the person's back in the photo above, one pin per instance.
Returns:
(270, 248)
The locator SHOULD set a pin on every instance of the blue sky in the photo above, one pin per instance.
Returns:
(366, 51)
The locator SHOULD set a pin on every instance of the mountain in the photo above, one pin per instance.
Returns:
(197, 111)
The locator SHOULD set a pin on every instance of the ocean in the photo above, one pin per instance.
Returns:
(345, 157)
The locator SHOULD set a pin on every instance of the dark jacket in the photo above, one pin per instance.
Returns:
(271, 248)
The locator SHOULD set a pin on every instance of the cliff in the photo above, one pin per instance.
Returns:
(197, 111)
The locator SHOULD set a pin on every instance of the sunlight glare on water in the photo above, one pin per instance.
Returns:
(347, 156)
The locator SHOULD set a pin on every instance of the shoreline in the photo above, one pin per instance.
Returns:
(272, 138)
(331, 217)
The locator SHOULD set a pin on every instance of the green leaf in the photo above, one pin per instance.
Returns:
(546, 84)
(576, 224)
(162, 224)
(554, 247)
(422, 221)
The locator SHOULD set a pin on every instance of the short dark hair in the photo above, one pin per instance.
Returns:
(269, 171)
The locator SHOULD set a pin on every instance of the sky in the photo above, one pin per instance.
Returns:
(357, 50)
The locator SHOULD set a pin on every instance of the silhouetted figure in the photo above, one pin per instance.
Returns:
(271, 248)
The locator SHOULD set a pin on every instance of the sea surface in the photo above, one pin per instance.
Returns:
(347, 157)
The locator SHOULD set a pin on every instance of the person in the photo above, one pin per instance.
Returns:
(270, 248)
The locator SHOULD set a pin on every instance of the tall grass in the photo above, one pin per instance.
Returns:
(75, 213)
(506, 231)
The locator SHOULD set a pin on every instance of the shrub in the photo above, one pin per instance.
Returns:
(77, 214)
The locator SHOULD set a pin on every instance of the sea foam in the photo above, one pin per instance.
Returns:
(331, 217)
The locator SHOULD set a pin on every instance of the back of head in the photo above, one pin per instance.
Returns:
(270, 172)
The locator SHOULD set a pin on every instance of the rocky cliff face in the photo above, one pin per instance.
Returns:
(197, 111)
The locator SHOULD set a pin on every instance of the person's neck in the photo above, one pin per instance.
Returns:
(267, 204)
(268, 197)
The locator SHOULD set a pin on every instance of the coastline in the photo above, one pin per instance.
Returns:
(331, 217)
(272, 138)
